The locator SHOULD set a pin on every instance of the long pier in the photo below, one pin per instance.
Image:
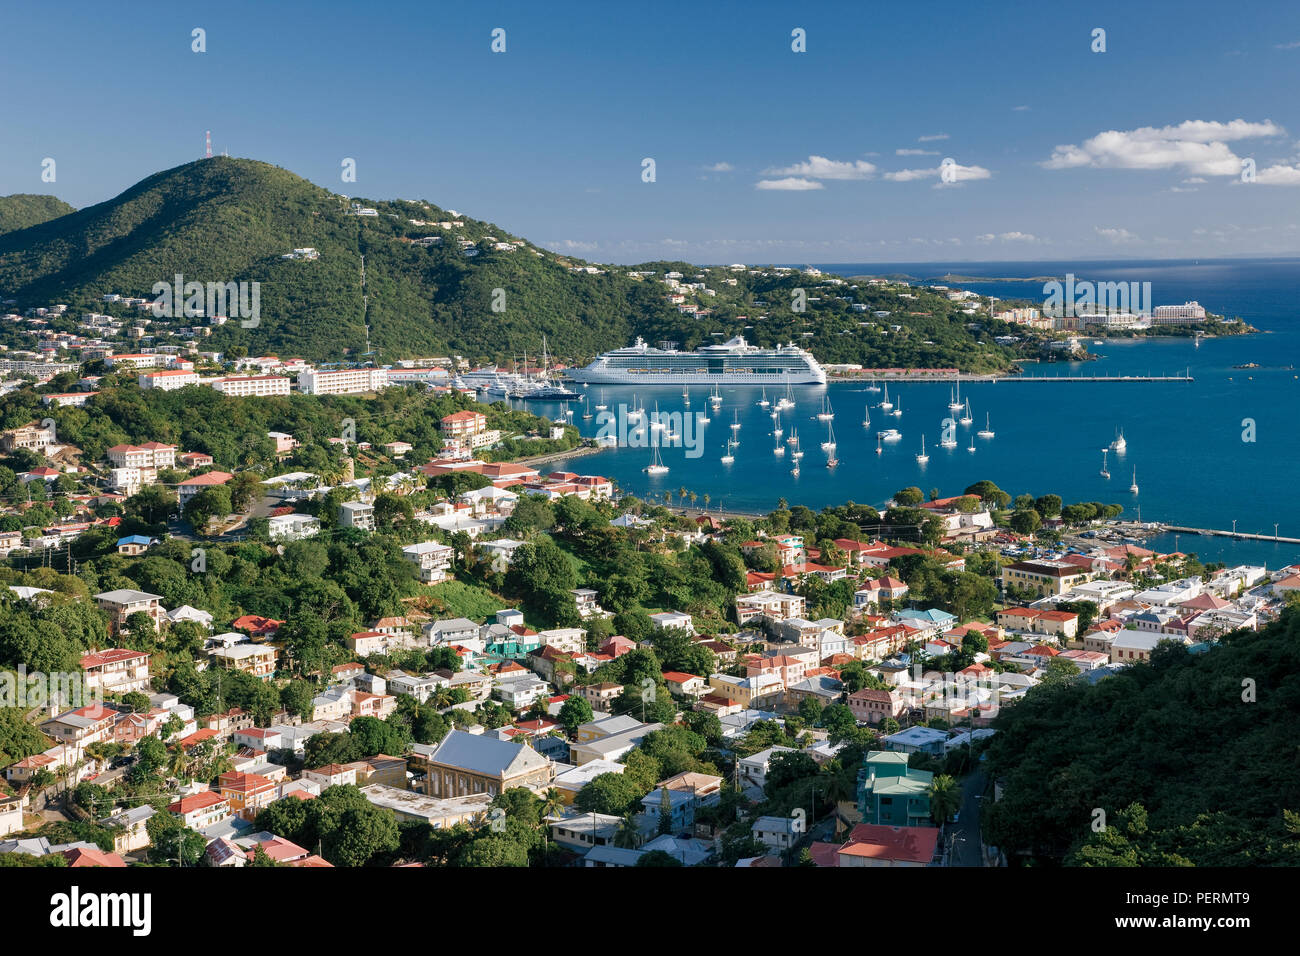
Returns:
(1215, 533)
(993, 379)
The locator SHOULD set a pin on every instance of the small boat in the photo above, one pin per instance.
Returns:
(965, 415)
(686, 397)
(778, 431)
(602, 406)
(972, 445)
(715, 396)
(832, 461)
(795, 470)
(1119, 445)
(779, 450)
(774, 415)
(986, 431)
(798, 452)
(891, 434)
(826, 414)
(866, 417)
(948, 441)
(727, 456)
(873, 387)
(898, 409)
(787, 400)
(955, 403)
(1133, 488)
(885, 403)
(586, 411)
(735, 426)
(656, 423)
(1104, 472)
(828, 445)
(880, 449)
(656, 466)
(763, 402)
(702, 418)
(923, 457)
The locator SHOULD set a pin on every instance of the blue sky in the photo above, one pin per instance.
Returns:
(761, 154)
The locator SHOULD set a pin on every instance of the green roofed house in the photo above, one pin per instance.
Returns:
(890, 793)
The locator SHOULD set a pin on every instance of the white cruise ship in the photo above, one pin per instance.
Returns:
(734, 362)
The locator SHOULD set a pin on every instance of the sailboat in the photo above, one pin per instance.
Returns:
(656, 423)
(1133, 488)
(1119, 445)
(715, 396)
(986, 431)
(602, 406)
(880, 449)
(1104, 472)
(965, 415)
(686, 397)
(778, 450)
(923, 457)
(735, 426)
(786, 400)
(795, 470)
(873, 387)
(586, 411)
(778, 431)
(947, 441)
(885, 403)
(972, 445)
(955, 403)
(763, 402)
(826, 414)
(832, 461)
(866, 417)
(798, 452)
(727, 456)
(898, 409)
(656, 466)
(828, 445)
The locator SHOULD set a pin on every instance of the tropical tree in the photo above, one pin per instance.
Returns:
(945, 798)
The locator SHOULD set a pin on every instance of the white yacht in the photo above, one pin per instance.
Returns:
(1105, 473)
(763, 402)
(986, 431)
(965, 415)
(656, 466)
(866, 417)
(1119, 445)
(828, 445)
(923, 457)
(885, 403)
(1133, 488)
(727, 456)
(826, 414)
(891, 434)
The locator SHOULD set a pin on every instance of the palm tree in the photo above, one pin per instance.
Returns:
(945, 798)
(668, 499)
(693, 496)
(707, 498)
(628, 836)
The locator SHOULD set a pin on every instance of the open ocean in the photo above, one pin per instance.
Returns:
(1185, 440)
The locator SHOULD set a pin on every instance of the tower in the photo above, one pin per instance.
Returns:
(208, 139)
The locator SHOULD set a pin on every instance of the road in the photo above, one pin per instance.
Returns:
(966, 849)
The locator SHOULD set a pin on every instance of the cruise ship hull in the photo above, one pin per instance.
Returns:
(599, 376)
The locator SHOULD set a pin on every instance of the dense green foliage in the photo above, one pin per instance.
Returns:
(24, 209)
(1191, 757)
(231, 220)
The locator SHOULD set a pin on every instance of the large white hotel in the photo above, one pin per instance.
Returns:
(342, 381)
(244, 386)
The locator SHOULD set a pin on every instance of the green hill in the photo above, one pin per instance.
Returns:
(24, 209)
(231, 220)
(1192, 758)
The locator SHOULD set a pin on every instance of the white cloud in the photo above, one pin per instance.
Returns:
(789, 184)
(916, 152)
(931, 139)
(720, 168)
(1115, 235)
(1194, 181)
(1019, 109)
(960, 174)
(819, 167)
(1197, 146)
(1279, 175)
(1293, 45)
(1008, 237)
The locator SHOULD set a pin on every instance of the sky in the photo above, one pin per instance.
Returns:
(912, 132)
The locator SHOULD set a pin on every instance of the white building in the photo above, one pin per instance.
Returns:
(293, 527)
(254, 386)
(432, 560)
(346, 381)
(168, 380)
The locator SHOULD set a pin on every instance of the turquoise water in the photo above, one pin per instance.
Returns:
(1185, 440)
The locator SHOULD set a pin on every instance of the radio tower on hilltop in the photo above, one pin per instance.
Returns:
(208, 138)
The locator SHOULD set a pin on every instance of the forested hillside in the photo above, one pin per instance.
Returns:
(1193, 759)
(232, 220)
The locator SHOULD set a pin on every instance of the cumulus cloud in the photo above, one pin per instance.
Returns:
(1279, 175)
(819, 167)
(959, 174)
(789, 184)
(931, 139)
(1115, 235)
(1007, 237)
(916, 152)
(1196, 146)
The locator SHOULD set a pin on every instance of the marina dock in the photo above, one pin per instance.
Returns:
(1214, 533)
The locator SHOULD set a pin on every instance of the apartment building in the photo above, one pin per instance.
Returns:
(124, 602)
(431, 559)
(168, 380)
(115, 671)
(347, 381)
(252, 386)
(149, 456)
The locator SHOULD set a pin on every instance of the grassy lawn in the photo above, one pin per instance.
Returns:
(467, 600)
